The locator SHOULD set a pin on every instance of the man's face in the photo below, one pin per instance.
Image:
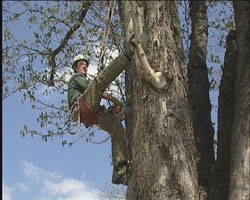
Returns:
(82, 67)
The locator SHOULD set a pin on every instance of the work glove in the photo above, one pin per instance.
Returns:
(129, 48)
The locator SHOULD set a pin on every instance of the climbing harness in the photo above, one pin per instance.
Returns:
(90, 118)
(87, 116)
(109, 17)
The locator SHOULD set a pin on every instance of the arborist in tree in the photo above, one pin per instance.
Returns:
(84, 99)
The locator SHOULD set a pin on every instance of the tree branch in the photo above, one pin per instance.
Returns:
(52, 57)
(155, 78)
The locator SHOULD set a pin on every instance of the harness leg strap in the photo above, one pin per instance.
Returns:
(87, 116)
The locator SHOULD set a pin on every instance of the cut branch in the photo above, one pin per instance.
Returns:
(155, 78)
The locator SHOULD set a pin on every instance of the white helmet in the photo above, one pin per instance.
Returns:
(79, 57)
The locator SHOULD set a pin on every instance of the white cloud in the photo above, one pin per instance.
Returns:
(53, 186)
(24, 187)
(7, 192)
(70, 189)
(38, 174)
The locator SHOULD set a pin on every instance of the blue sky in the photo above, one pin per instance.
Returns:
(32, 166)
(38, 170)
(29, 163)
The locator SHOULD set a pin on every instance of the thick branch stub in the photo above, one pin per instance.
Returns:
(155, 78)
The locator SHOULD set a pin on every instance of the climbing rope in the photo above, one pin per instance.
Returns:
(84, 134)
(109, 17)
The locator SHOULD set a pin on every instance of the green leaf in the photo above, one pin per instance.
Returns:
(33, 107)
(64, 142)
(25, 128)
(22, 133)
(44, 137)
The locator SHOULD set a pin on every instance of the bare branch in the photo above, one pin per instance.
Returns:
(155, 78)
(65, 40)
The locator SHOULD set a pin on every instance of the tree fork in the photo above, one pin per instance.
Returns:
(199, 97)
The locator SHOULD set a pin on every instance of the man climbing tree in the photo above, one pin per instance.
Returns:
(84, 99)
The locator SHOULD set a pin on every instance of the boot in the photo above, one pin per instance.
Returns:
(120, 175)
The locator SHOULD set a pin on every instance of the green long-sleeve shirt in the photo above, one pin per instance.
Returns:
(76, 86)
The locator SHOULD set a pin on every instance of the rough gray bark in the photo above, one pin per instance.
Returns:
(240, 147)
(162, 141)
(199, 97)
(225, 118)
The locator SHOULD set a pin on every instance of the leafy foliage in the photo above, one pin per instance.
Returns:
(39, 42)
(40, 39)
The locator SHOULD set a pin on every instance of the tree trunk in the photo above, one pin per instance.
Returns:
(225, 118)
(240, 148)
(199, 97)
(162, 141)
